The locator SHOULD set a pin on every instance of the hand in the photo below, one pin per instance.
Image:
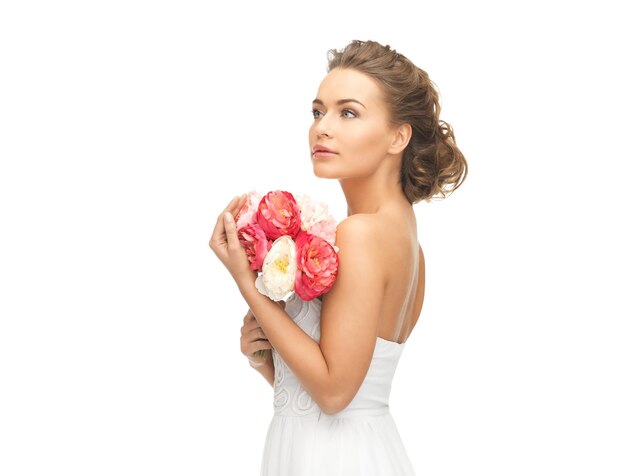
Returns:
(253, 339)
(225, 244)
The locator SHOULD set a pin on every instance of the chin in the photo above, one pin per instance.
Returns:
(322, 174)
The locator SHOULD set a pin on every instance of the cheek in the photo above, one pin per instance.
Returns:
(367, 145)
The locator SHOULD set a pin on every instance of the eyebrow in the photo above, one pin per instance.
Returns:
(341, 101)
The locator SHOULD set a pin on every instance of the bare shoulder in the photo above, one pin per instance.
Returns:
(369, 233)
(359, 226)
(357, 239)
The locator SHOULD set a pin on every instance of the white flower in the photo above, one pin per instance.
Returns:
(311, 211)
(279, 269)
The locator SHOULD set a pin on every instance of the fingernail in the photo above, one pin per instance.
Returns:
(228, 217)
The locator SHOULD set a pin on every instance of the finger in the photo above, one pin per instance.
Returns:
(234, 202)
(217, 235)
(262, 344)
(252, 326)
(235, 207)
(231, 229)
(255, 334)
(218, 231)
(248, 317)
(242, 201)
(230, 204)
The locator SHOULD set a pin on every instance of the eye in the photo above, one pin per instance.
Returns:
(345, 110)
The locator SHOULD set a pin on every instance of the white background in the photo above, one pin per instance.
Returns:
(127, 126)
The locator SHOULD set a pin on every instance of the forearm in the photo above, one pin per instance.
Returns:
(267, 370)
(301, 353)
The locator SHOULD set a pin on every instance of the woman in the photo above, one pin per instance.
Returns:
(376, 129)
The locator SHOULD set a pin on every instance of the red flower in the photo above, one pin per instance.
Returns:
(255, 243)
(317, 263)
(278, 214)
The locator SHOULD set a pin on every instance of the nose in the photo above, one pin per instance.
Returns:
(321, 127)
(321, 131)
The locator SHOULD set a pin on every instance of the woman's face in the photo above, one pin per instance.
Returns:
(357, 131)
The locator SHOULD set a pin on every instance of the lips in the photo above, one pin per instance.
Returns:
(323, 150)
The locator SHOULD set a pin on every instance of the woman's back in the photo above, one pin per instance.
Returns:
(404, 292)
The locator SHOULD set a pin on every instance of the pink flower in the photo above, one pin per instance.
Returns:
(278, 214)
(326, 229)
(318, 263)
(316, 220)
(247, 214)
(255, 243)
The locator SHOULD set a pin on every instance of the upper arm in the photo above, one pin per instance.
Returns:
(350, 310)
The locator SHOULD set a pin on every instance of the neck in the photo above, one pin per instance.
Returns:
(372, 193)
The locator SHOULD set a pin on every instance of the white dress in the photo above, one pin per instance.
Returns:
(362, 439)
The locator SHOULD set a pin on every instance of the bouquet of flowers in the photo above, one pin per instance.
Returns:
(291, 241)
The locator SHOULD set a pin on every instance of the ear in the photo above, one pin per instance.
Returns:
(401, 139)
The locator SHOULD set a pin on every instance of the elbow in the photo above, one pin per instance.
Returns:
(334, 404)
